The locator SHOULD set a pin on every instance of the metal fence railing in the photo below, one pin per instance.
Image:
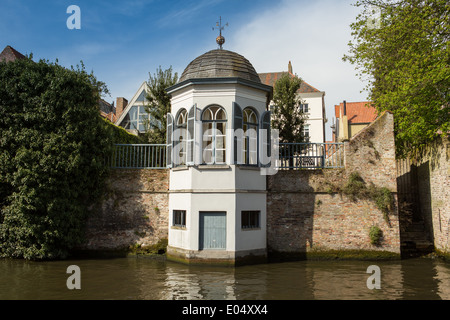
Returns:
(291, 156)
(138, 156)
(310, 155)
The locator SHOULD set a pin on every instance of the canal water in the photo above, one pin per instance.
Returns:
(150, 279)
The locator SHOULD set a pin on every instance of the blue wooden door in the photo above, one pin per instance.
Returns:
(213, 230)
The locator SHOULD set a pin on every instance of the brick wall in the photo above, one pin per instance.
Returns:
(306, 214)
(433, 174)
(134, 211)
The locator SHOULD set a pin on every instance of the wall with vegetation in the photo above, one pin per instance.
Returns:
(350, 212)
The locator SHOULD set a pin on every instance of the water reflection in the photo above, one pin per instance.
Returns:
(161, 280)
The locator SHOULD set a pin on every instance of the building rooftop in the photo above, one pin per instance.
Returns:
(220, 63)
(271, 77)
(10, 54)
(357, 112)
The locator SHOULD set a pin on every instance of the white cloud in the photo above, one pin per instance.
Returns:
(313, 35)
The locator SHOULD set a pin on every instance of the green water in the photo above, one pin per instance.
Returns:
(149, 279)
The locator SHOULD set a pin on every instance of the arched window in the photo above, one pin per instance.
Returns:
(181, 132)
(250, 143)
(214, 123)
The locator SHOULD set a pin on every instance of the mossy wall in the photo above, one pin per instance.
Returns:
(314, 213)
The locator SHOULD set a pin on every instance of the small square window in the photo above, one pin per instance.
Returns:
(250, 219)
(179, 218)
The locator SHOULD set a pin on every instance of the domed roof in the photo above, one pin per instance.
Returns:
(220, 64)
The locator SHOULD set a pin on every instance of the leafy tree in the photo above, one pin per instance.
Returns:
(159, 103)
(287, 116)
(53, 146)
(404, 56)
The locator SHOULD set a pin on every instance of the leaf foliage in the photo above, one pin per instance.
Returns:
(53, 146)
(405, 60)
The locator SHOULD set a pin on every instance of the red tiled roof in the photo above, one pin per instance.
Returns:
(271, 77)
(357, 112)
(10, 54)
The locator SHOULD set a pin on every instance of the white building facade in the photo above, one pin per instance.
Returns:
(313, 105)
(217, 199)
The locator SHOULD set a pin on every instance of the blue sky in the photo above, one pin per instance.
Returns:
(123, 41)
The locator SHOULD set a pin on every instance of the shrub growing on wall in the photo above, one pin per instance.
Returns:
(53, 145)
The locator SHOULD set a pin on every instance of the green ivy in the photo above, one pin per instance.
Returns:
(53, 146)
(356, 188)
(375, 235)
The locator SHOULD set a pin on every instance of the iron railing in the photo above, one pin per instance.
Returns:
(138, 156)
(291, 156)
(310, 155)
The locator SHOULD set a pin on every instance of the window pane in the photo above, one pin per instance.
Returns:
(220, 115)
(250, 219)
(207, 114)
(142, 96)
(133, 124)
(220, 156)
(179, 218)
(182, 117)
(250, 116)
(220, 142)
(220, 127)
(207, 156)
(133, 113)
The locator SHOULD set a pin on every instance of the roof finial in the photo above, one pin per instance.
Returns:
(220, 39)
(290, 68)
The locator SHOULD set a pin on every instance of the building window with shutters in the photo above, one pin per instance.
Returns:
(250, 143)
(214, 123)
(250, 220)
(181, 131)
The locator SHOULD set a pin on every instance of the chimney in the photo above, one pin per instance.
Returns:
(345, 108)
(290, 68)
(121, 104)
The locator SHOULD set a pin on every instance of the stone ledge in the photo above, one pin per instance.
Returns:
(217, 257)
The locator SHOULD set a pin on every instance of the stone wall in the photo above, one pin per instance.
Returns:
(424, 198)
(134, 211)
(437, 193)
(433, 174)
(309, 214)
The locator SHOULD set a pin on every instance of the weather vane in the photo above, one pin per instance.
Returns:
(220, 39)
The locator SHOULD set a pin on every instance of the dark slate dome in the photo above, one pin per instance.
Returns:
(220, 64)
